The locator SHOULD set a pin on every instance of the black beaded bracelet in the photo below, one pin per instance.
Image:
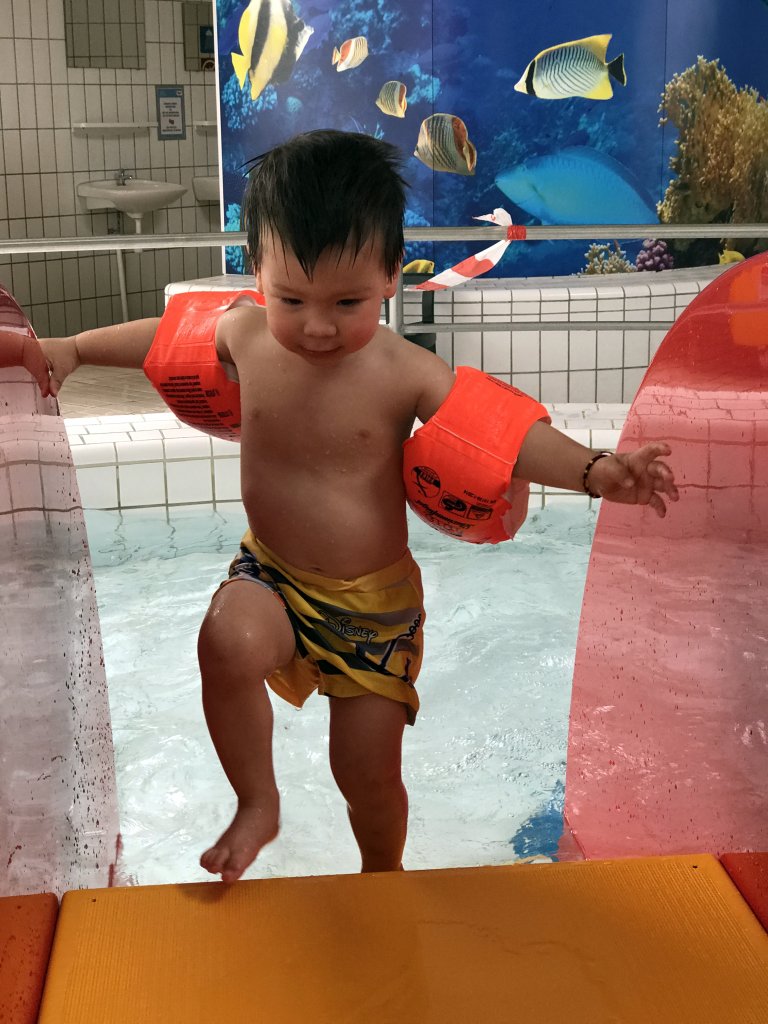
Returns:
(585, 474)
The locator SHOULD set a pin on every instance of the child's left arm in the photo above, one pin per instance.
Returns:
(634, 478)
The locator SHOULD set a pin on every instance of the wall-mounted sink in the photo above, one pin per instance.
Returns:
(136, 197)
(206, 188)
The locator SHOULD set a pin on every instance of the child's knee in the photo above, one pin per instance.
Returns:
(244, 630)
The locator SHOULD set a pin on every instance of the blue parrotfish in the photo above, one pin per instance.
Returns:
(271, 38)
(578, 68)
(578, 185)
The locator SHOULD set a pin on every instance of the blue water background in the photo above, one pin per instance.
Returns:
(464, 59)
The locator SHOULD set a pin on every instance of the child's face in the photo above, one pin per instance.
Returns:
(333, 314)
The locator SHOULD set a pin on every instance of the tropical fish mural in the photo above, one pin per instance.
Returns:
(391, 99)
(578, 68)
(695, 158)
(271, 38)
(350, 54)
(578, 185)
(444, 145)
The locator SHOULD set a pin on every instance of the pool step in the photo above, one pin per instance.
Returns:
(666, 939)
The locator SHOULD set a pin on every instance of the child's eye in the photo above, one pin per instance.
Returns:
(349, 302)
(291, 302)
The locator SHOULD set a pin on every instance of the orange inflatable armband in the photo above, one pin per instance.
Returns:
(183, 365)
(458, 467)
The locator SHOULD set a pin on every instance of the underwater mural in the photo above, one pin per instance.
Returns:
(557, 113)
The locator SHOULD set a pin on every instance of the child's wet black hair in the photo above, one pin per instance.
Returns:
(323, 190)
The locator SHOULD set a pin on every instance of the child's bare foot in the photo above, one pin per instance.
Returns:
(251, 829)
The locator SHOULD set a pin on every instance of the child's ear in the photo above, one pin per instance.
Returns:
(391, 287)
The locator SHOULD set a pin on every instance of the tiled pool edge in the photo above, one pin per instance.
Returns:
(152, 460)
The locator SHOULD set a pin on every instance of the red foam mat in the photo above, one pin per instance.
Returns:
(27, 924)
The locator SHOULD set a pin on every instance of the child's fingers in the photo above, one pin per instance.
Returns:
(657, 504)
(665, 478)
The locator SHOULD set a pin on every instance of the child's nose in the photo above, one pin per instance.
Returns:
(319, 328)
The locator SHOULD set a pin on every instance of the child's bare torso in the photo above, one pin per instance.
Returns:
(321, 452)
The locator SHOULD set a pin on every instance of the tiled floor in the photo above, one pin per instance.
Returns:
(106, 391)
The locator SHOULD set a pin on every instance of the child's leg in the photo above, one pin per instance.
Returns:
(244, 637)
(366, 737)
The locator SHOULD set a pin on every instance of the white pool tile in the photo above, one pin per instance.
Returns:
(142, 484)
(226, 477)
(141, 450)
(98, 486)
(189, 481)
(101, 438)
(221, 447)
(94, 454)
(145, 435)
(192, 446)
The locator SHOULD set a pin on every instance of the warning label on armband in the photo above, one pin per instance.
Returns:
(458, 507)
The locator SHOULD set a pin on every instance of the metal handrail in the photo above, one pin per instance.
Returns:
(556, 232)
(535, 233)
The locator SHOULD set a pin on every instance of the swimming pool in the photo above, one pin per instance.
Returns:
(484, 765)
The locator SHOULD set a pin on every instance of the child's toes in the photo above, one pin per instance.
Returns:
(233, 869)
(213, 860)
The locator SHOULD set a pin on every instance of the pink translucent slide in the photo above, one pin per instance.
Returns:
(668, 744)
(58, 806)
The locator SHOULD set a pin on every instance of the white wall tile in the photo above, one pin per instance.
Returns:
(554, 387)
(525, 351)
(610, 386)
(582, 350)
(582, 385)
(24, 69)
(7, 61)
(554, 350)
(467, 348)
(497, 351)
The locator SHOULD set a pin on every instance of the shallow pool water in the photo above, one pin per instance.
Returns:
(484, 764)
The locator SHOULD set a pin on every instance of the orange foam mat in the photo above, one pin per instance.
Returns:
(749, 872)
(26, 933)
(657, 940)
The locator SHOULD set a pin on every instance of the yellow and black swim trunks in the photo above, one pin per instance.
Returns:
(356, 636)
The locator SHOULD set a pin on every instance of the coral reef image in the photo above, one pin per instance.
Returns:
(549, 111)
(721, 163)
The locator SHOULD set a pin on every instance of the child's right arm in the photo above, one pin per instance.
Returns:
(124, 345)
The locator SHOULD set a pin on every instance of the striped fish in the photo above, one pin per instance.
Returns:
(391, 99)
(351, 54)
(577, 68)
(271, 38)
(444, 145)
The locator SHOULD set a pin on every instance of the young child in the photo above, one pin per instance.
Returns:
(331, 596)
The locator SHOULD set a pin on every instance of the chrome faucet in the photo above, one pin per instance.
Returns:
(122, 176)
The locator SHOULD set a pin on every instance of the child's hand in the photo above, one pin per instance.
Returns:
(635, 478)
(20, 350)
(62, 357)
